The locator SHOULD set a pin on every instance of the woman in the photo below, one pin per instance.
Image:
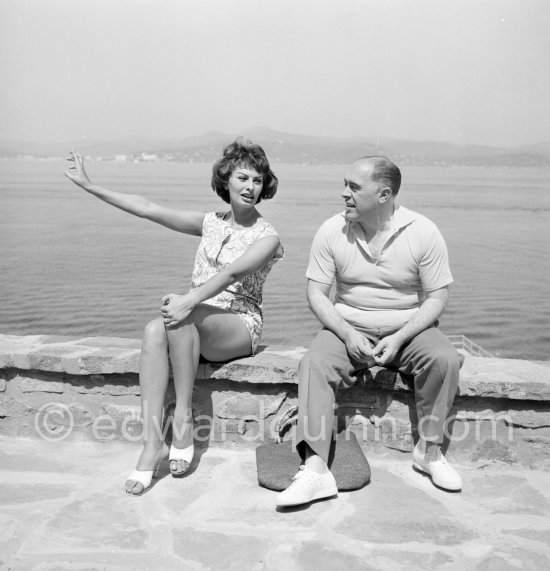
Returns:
(220, 317)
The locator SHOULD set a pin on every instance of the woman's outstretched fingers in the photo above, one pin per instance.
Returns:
(79, 177)
(71, 158)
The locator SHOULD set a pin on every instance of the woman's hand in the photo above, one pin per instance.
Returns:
(175, 308)
(77, 173)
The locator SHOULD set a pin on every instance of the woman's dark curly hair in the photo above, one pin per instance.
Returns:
(243, 152)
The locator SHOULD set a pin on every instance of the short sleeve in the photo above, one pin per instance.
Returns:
(434, 269)
(267, 229)
(321, 267)
(207, 221)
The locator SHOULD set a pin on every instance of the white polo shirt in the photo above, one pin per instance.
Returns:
(380, 294)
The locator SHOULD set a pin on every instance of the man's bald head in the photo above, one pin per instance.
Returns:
(382, 171)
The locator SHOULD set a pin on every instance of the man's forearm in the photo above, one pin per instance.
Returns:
(326, 313)
(428, 313)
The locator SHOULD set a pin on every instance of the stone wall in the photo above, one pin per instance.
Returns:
(66, 387)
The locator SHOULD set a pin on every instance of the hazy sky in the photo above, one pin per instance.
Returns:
(453, 70)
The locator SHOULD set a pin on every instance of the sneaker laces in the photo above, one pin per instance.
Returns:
(298, 475)
(444, 464)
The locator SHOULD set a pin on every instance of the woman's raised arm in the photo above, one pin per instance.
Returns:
(186, 221)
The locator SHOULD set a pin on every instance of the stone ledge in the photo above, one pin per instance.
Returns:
(55, 387)
(479, 377)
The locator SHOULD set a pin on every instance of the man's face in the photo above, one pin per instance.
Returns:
(361, 193)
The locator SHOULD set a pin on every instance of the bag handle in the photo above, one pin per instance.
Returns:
(285, 421)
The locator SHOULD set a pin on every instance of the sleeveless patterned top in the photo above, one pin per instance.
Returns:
(220, 246)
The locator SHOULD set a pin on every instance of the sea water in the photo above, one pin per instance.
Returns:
(72, 265)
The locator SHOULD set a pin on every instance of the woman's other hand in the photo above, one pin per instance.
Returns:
(175, 308)
(77, 172)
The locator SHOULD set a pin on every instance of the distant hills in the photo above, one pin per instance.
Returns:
(289, 148)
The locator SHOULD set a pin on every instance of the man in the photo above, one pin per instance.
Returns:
(391, 271)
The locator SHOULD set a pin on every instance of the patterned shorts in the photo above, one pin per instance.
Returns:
(253, 323)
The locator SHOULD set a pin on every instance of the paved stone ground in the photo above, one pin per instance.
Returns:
(63, 507)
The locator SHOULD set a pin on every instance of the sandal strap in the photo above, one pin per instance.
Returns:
(185, 454)
(144, 477)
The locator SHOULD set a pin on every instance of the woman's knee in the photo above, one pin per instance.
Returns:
(154, 334)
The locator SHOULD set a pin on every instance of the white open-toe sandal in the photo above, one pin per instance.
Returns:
(185, 454)
(144, 477)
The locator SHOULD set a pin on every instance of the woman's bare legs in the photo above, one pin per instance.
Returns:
(153, 381)
(184, 351)
(218, 335)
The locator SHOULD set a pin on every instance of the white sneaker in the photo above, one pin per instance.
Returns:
(441, 472)
(307, 486)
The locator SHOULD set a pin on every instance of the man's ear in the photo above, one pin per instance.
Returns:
(385, 194)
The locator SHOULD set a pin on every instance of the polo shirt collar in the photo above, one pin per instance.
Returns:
(401, 218)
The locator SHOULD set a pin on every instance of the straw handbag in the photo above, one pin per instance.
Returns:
(278, 463)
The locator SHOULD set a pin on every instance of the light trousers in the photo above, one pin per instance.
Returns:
(429, 358)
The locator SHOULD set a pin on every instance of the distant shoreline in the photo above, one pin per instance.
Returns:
(161, 160)
(293, 149)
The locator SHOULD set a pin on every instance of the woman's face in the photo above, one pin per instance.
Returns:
(245, 186)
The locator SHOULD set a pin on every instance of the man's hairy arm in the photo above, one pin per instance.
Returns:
(358, 346)
(428, 313)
